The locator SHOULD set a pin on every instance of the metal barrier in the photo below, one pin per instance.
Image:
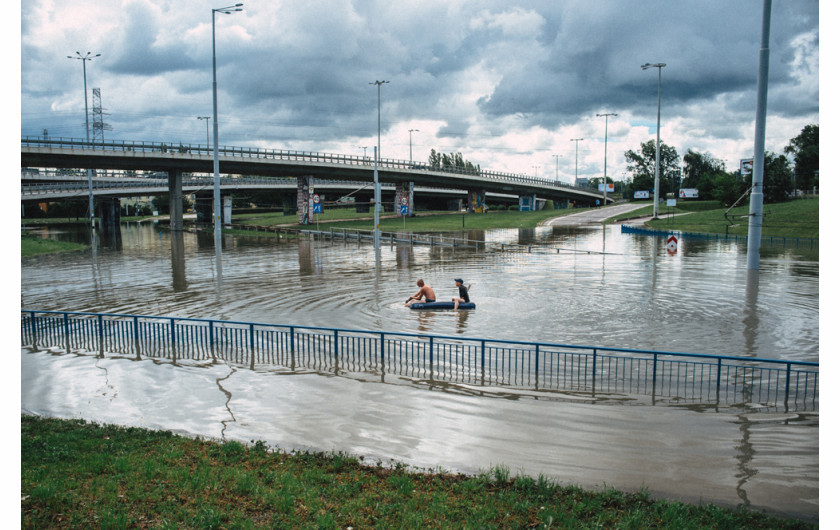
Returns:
(809, 243)
(577, 371)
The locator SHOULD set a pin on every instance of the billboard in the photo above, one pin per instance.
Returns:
(610, 187)
(689, 193)
(641, 195)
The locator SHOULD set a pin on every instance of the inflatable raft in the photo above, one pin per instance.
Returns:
(442, 305)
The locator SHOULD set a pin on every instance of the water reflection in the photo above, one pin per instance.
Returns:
(596, 286)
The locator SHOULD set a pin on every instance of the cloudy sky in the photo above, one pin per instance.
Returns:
(508, 84)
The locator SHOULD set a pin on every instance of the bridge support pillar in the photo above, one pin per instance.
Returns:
(475, 201)
(227, 209)
(305, 190)
(404, 195)
(109, 212)
(176, 202)
(528, 203)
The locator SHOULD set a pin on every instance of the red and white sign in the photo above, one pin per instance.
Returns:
(671, 246)
(316, 199)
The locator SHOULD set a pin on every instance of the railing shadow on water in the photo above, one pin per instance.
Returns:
(554, 371)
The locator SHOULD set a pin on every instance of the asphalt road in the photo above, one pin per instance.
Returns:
(595, 216)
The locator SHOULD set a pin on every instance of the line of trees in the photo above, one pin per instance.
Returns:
(452, 160)
(782, 176)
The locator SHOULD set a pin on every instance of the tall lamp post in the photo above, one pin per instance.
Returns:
(206, 122)
(557, 168)
(410, 153)
(376, 155)
(85, 58)
(217, 200)
(658, 107)
(576, 140)
(606, 119)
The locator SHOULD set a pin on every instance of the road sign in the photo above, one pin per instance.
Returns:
(404, 201)
(671, 246)
(404, 209)
(316, 208)
(316, 199)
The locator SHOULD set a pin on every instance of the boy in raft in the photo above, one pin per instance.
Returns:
(463, 294)
(424, 292)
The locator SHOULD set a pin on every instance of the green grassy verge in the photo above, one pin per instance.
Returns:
(30, 246)
(798, 218)
(77, 474)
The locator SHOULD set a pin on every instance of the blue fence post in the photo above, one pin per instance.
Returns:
(654, 373)
(34, 329)
(212, 340)
(787, 383)
(537, 364)
(719, 370)
(382, 349)
(67, 332)
(431, 356)
(172, 337)
(137, 338)
(594, 363)
(251, 344)
(335, 343)
(482, 356)
(101, 336)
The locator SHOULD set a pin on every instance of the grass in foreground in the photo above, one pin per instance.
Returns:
(30, 246)
(80, 474)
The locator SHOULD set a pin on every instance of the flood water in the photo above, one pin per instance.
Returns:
(579, 285)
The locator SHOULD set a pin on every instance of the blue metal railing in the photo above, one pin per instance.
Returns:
(798, 242)
(597, 372)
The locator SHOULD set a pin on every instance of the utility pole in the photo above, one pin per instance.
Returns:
(606, 119)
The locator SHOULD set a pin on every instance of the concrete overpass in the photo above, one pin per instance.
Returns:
(177, 159)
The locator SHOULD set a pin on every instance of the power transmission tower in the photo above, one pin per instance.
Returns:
(99, 127)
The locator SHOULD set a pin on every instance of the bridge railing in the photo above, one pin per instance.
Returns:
(278, 154)
(576, 371)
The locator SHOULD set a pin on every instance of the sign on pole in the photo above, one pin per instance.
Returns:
(316, 204)
(671, 246)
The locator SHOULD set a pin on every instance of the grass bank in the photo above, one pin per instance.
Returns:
(77, 474)
(797, 218)
(30, 246)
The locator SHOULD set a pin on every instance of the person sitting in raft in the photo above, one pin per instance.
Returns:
(463, 294)
(425, 293)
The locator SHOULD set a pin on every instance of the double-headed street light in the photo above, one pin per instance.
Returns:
(606, 119)
(85, 58)
(576, 140)
(206, 122)
(377, 153)
(410, 154)
(658, 106)
(217, 201)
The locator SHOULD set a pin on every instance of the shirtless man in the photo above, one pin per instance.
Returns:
(424, 292)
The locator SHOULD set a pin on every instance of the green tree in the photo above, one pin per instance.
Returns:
(724, 187)
(642, 165)
(452, 162)
(805, 149)
(697, 165)
(778, 178)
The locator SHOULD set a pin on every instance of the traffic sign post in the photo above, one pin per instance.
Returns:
(671, 245)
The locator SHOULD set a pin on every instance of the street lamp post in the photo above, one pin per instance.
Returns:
(576, 140)
(658, 106)
(85, 58)
(217, 200)
(365, 150)
(377, 153)
(557, 168)
(206, 122)
(535, 170)
(606, 119)
(410, 153)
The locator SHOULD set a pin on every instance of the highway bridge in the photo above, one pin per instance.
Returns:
(258, 168)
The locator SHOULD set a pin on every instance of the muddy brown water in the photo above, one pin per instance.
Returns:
(578, 285)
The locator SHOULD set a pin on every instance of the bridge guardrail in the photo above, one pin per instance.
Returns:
(277, 154)
(577, 371)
